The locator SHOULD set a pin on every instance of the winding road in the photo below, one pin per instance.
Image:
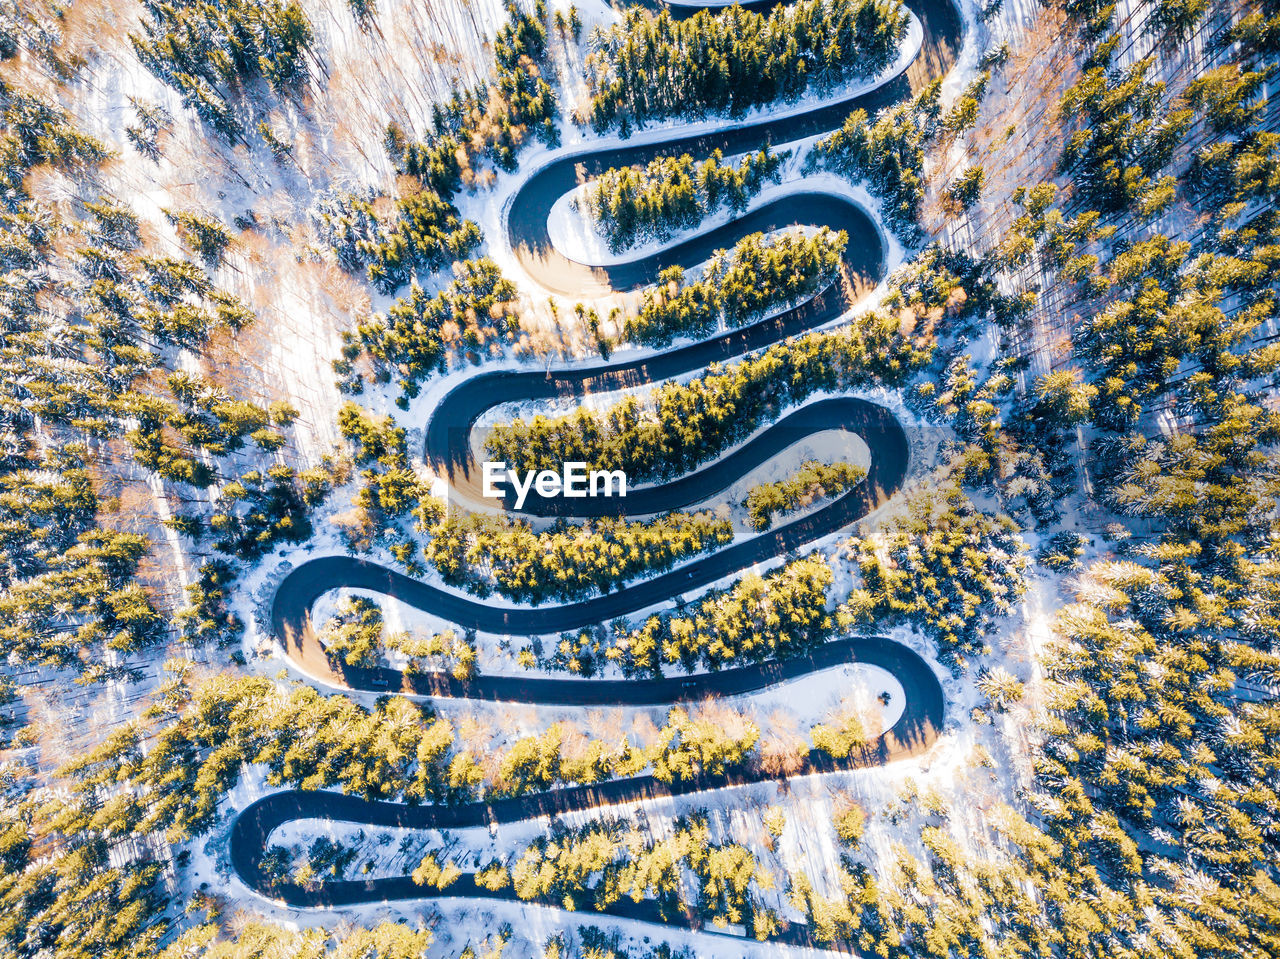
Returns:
(448, 447)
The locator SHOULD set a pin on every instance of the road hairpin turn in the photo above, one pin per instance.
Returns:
(448, 448)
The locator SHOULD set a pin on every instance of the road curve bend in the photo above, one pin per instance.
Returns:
(913, 733)
(448, 448)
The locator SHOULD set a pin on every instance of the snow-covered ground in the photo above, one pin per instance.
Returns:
(825, 446)
(396, 71)
(491, 209)
(577, 234)
(497, 653)
(855, 687)
(807, 698)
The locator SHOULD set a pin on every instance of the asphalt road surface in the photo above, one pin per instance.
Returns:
(448, 447)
